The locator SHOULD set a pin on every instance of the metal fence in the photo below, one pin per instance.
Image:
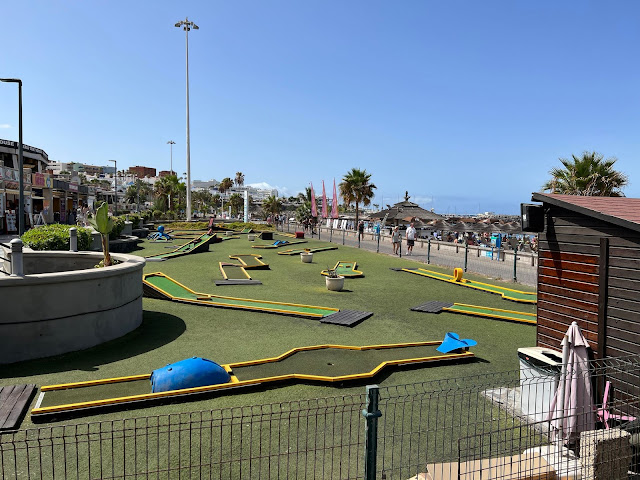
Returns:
(504, 264)
(469, 428)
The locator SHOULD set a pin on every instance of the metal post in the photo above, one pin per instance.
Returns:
(331, 233)
(17, 266)
(429, 251)
(400, 248)
(20, 163)
(73, 239)
(319, 230)
(466, 255)
(378, 247)
(358, 233)
(371, 415)
(515, 265)
(343, 233)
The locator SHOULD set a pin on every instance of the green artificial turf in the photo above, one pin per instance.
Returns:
(173, 331)
(475, 310)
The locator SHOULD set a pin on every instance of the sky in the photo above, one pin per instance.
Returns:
(466, 105)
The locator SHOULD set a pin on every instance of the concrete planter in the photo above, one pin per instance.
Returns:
(306, 257)
(335, 284)
(64, 304)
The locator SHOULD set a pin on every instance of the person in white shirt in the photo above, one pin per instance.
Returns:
(411, 237)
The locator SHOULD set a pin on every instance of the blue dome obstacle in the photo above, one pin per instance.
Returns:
(452, 342)
(189, 373)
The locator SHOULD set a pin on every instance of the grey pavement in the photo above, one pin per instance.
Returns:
(444, 254)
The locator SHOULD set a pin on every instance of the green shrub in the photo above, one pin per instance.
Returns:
(118, 226)
(242, 226)
(157, 214)
(55, 237)
(188, 225)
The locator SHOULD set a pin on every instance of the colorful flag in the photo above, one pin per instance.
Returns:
(334, 204)
(314, 210)
(324, 202)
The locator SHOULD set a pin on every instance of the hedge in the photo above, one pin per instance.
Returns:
(55, 237)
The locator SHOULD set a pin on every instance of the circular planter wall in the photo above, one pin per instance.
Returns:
(63, 303)
(306, 257)
(335, 284)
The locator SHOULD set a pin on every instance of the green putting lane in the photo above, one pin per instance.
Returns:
(249, 261)
(493, 313)
(233, 272)
(332, 362)
(327, 362)
(186, 248)
(95, 392)
(179, 292)
(345, 269)
(515, 295)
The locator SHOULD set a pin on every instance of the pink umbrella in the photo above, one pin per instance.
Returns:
(572, 409)
(334, 204)
(314, 210)
(324, 202)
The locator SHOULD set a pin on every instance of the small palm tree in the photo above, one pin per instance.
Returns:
(225, 184)
(235, 202)
(356, 187)
(589, 175)
(239, 179)
(272, 206)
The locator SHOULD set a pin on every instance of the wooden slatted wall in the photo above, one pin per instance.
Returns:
(570, 282)
(569, 255)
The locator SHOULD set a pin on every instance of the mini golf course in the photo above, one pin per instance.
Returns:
(160, 286)
(318, 363)
(310, 250)
(507, 293)
(345, 269)
(478, 311)
(196, 245)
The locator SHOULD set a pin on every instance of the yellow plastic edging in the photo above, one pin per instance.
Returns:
(222, 264)
(488, 315)
(90, 383)
(244, 264)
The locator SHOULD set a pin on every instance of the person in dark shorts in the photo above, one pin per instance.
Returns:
(361, 230)
(411, 238)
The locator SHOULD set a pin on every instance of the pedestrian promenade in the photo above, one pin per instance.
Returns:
(494, 264)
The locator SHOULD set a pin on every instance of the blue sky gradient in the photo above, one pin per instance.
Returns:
(465, 104)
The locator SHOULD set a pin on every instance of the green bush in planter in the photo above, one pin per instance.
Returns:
(118, 226)
(55, 237)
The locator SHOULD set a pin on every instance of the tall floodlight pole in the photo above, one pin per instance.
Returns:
(115, 164)
(20, 215)
(186, 26)
(171, 143)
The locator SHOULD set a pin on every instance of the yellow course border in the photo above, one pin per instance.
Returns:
(355, 273)
(234, 383)
(465, 283)
(231, 265)
(238, 256)
(533, 316)
(218, 300)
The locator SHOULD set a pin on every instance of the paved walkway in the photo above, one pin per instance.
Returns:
(441, 253)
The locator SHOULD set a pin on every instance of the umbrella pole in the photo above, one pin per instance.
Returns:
(563, 380)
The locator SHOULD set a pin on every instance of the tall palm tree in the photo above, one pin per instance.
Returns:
(589, 175)
(272, 206)
(356, 187)
(239, 179)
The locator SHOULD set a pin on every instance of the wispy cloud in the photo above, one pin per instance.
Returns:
(5, 125)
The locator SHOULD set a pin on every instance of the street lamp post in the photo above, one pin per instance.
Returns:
(186, 26)
(171, 143)
(20, 215)
(115, 164)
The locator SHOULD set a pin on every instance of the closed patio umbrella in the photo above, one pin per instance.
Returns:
(572, 409)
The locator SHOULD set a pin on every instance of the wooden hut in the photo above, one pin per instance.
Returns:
(589, 271)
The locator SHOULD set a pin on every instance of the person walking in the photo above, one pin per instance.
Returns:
(361, 230)
(395, 240)
(411, 238)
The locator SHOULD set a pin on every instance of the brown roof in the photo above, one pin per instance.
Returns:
(404, 210)
(621, 211)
